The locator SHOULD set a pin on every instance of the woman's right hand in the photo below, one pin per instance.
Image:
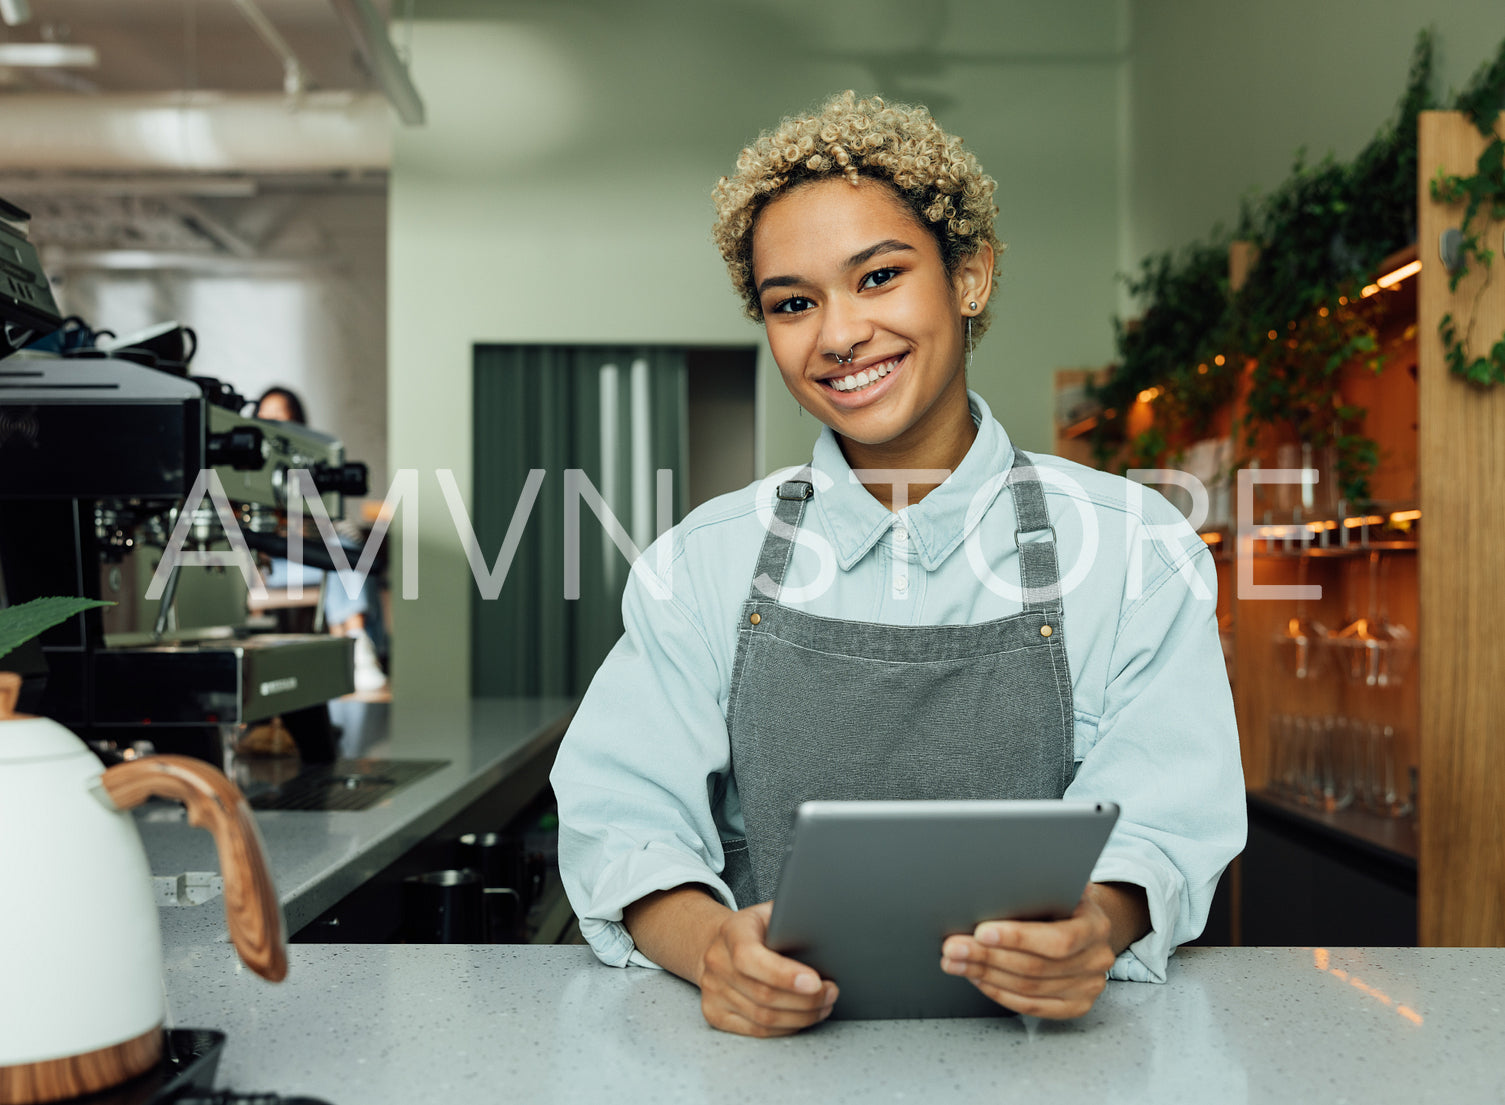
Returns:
(749, 989)
(745, 987)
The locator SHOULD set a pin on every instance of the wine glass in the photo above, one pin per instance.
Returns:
(1301, 632)
(1371, 649)
(1390, 656)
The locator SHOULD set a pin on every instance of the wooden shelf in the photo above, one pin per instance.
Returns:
(1079, 429)
(1360, 550)
(1077, 415)
(1333, 538)
(1318, 552)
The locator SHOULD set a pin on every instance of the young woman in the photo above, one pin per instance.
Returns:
(360, 617)
(924, 611)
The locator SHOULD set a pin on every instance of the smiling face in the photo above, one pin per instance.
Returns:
(847, 270)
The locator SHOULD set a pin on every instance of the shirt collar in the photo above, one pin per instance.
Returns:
(938, 523)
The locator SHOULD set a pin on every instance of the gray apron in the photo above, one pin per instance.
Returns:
(823, 708)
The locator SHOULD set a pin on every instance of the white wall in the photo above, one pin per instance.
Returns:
(307, 313)
(1222, 95)
(560, 193)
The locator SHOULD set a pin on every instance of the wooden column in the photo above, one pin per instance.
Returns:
(1462, 580)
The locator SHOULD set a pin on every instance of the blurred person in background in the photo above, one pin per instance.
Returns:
(360, 617)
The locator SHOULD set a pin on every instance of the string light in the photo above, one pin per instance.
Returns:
(1392, 278)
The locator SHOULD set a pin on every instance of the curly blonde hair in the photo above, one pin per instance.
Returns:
(899, 144)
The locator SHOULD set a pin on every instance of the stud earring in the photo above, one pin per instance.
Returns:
(973, 305)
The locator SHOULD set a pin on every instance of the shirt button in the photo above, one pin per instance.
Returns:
(900, 533)
(901, 584)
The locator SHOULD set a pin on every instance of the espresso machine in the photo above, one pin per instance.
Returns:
(100, 452)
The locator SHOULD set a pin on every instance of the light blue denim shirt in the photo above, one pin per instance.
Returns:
(1154, 723)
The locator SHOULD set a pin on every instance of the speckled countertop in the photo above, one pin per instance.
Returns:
(316, 858)
(380, 1024)
(370, 1025)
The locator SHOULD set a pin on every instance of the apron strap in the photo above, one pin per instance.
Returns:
(1039, 571)
(778, 542)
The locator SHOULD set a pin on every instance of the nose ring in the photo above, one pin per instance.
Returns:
(852, 352)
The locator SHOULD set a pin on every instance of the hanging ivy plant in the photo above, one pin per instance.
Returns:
(1482, 194)
(1299, 317)
(1188, 299)
(1296, 378)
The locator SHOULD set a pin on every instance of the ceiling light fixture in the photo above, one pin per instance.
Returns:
(47, 55)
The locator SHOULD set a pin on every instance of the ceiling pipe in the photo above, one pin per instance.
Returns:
(293, 80)
(47, 55)
(198, 133)
(370, 35)
(56, 259)
(117, 184)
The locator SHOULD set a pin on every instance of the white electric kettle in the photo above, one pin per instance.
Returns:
(81, 1003)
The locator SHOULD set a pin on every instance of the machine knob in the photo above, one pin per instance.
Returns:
(240, 449)
(344, 479)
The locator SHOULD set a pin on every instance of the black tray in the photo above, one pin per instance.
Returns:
(342, 785)
(190, 1058)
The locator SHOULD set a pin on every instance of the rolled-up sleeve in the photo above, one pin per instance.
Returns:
(1167, 753)
(636, 772)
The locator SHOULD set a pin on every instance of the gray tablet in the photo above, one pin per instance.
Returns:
(870, 890)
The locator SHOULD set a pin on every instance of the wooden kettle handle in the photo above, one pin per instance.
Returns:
(215, 803)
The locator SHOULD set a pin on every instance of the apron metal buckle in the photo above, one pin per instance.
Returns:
(796, 490)
(1019, 536)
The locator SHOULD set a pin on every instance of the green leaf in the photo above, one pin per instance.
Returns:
(19, 624)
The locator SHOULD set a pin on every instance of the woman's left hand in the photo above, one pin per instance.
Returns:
(1053, 969)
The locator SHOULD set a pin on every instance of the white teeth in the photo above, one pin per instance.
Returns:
(860, 380)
